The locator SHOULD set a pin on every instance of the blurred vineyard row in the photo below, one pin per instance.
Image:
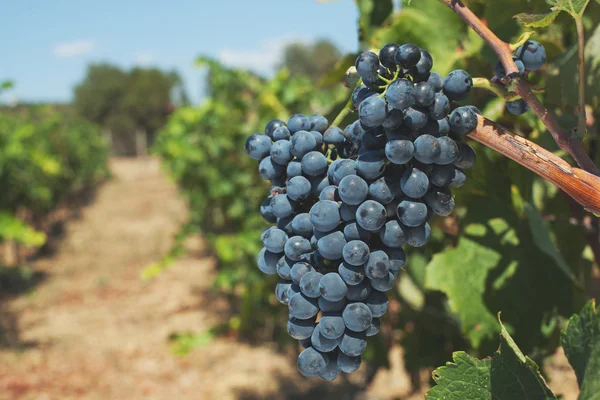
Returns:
(46, 155)
(511, 241)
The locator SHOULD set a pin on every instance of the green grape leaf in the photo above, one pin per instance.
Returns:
(372, 13)
(537, 20)
(581, 341)
(461, 273)
(573, 7)
(507, 375)
(541, 238)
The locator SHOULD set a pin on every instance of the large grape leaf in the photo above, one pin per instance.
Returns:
(507, 375)
(581, 341)
(461, 273)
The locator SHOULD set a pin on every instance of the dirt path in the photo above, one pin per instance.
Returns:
(93, 330)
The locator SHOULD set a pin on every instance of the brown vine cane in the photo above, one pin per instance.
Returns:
(581, 185)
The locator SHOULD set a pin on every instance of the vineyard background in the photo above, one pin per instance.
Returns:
(137, 278)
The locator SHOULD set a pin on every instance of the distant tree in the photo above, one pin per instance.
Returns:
(127, 101)
(312, 60)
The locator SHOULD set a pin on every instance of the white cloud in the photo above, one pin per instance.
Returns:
(262, 59)
(74, 48)
(144, 59)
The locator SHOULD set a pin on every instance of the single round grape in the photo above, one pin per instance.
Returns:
(394, 119)
(296, 247)
(436, 81)
(459, 179)
(332, 287)
(414, 183)
(350, 274)
(442, 175)
(299, 270)
(331, 306)
(533, 55)
(501, 72)
(274, 239)
(448, 151)
(463, 121)
(367, 65)
(397, 258)
(466, 156)
(332, 325)
(272, 125)
(357, 317)
(393, 234)
(258, 146)
(378, 303)
(457, 85)
(318, 138)
(266, 212)
(309, 284)
(267, 261)
(329, 193)
(334, 135)
(294, 168)
(348, 212)
(314, 163)
(302, 307)
(384, 190)
(343, 169)
(300, 328)
(419, 236)
(320, 342)
(302, 143)
(378, 265)
(331, 245)
(400, 94)
(427, 149)
(359, 292)
(424, 94)
(270, 170)
(281, 291)
(282, 206)
(372, 111)
(348, 364)
(387, 56)
(371, 215)
(373, 329)
(440, 200)
(298, 188)
(301, 225)
(311, 362)
(325, 215)
(412, 213)
(353, 190)
(408, 55)
(423, 67)
(370, 165)
(415, 119)
(298, 122)
(440, 107)
(353, 344)
(318, 123)
(353, 231)
(517, 107)
(399, 151)
(383, 284)
(281, 133)
(355, 252)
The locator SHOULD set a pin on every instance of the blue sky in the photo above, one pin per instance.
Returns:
(45, 45)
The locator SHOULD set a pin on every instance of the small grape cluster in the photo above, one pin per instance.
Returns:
(528, 58)
(345, 202)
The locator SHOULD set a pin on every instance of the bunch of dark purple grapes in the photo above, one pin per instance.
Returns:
(345, 202)
(529, 57)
